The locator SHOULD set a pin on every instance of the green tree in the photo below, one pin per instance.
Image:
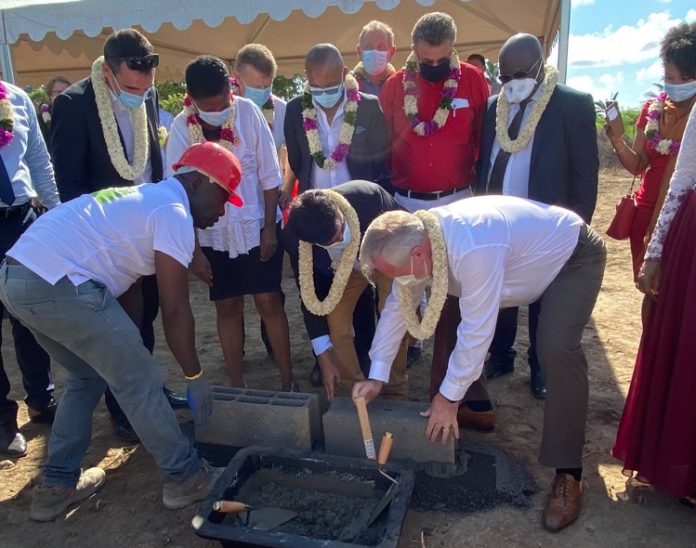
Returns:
(288, 88)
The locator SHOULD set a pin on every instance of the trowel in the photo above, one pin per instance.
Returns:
(264, 519)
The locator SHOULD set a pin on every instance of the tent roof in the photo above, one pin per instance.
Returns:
(64, 38)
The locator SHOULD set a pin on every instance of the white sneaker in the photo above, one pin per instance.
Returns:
(48, 503)
(195, 488)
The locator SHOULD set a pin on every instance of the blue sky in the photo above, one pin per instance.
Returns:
(614, 45)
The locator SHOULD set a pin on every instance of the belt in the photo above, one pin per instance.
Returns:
(428, 195)
(14, 211)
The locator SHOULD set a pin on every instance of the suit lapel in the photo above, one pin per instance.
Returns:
(541, 129)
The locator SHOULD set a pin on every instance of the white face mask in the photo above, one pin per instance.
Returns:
(410, 280)
(681, 92)
(343, 243)
(215, 119)
(517, 91)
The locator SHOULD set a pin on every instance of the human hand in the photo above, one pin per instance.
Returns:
(284, 197)
(369, 390)
(649, 278)
(200, 399)
(442, 419)
(200, 266)
(330, 375)
(269, 243)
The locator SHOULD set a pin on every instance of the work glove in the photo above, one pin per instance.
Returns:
(200, 399)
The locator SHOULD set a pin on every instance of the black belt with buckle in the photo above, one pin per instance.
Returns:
(427, 195)
(14, 211)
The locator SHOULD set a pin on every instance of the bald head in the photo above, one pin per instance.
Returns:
(521, 53)
(324, 66)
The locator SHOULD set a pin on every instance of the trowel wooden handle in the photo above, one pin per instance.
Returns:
(230, 506)
(365, 428)
(385, 448)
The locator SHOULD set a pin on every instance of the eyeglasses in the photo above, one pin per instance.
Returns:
(505, 78)
(142, 63)
(317, 92)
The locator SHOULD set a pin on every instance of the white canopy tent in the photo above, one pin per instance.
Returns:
(65, 36)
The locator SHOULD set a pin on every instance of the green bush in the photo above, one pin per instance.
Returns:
(629, 116)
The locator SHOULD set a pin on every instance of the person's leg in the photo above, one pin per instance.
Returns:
(537, 380)
(270, 308)
(398, 377)
(264, 332)
(230, 317)
(502, 354)
(12, 442)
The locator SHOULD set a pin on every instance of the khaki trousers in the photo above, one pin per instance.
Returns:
(341, 330)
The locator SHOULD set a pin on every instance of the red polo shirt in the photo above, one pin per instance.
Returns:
(445, 159)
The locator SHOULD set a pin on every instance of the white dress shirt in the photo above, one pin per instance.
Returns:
(26, 157)
(125, 126)
(278, 122)
(516, 180)
(502, 251)
(239, 229)
(329, 135)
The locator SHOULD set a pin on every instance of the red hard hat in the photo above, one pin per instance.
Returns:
(216, 162)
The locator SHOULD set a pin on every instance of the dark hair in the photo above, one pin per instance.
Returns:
(480, 58)
(679, 48)
(53, 81)
(257, 56)
(207, 76)
(322, 54)
(126, 43)
(313, 217)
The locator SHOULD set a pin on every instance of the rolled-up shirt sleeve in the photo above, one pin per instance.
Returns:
(481, 274)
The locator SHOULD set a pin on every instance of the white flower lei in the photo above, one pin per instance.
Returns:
(343, 268)
(345, 136)
(228, 136)
(529, 127)
(438, 293)
(109, 126)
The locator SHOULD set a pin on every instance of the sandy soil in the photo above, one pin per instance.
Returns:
(128, 512)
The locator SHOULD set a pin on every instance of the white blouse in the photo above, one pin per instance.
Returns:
(683, 180)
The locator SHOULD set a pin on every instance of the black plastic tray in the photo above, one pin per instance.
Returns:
(208, 523)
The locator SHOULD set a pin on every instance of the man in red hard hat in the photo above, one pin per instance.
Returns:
(62, 278)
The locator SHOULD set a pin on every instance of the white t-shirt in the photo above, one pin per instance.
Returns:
(110, 236)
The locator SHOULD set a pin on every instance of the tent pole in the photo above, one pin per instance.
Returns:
(563, 37)
(6, 55)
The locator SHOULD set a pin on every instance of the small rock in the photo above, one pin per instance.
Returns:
(6, 464)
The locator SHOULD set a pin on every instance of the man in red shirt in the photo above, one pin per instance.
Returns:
(434, 110)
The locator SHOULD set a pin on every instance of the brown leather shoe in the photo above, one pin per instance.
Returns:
(563, 506)
(481, 421)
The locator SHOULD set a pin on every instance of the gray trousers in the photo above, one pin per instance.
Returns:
(566, 307)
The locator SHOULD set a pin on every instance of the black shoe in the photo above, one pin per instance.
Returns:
(413, 354)
(124, 431)
(499, 364)
(315, 376)
(537, 383)
(176, 401)
(43, 415)
(12, 443)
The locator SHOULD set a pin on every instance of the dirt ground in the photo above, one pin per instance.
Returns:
(128, 511)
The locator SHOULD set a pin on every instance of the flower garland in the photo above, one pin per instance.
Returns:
(527, 131)
(268, 108)
(162, 135)
(228, 137)
(141, 145)
(665, 147)
(362, 75)
(6, 117)
(425, 329)
(45, 112)
(342, 270)
(449, 90)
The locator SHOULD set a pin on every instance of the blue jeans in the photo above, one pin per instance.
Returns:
(86, 331)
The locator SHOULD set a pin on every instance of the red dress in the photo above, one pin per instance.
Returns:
(657, 433)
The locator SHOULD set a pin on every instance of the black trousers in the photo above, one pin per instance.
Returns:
(506, 332)
(33, 360)
(147, 333)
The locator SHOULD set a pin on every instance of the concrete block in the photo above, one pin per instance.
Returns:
(402, 418)
(243, 417)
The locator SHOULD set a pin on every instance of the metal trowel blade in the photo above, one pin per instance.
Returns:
(267, 519)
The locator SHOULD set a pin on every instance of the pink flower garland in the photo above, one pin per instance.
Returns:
(655, 139)
(6, 121)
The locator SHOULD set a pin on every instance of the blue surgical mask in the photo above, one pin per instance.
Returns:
(327, 97)
(258, 95)
(681, 92)
(343, 242)
(129, 100)
(374, 61)
(215, 119)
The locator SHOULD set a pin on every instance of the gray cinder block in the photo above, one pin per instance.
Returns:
(244, 417)
(402, 418)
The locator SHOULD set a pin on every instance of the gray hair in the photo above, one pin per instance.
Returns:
(323, 54)
(435, 28)
(376, 26)
(392, 236)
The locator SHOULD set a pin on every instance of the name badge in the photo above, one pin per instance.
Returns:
(459, 102)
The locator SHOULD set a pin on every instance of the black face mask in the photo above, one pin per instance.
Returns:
(434, 73)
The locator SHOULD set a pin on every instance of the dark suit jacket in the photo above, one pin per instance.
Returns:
(565, 163)
(80, 158)
(368, 150)
(369, 201)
